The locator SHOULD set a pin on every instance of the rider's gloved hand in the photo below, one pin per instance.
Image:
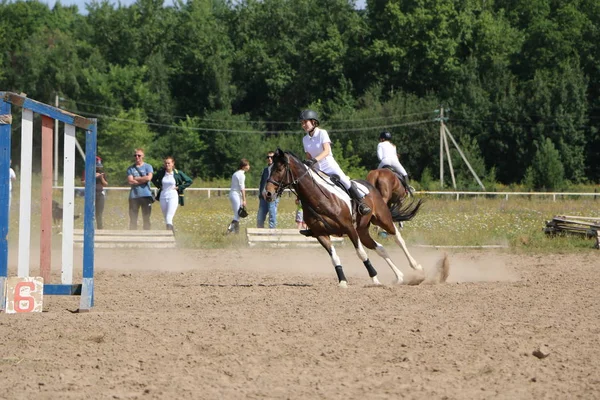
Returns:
(310, 162)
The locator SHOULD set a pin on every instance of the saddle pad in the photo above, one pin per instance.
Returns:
(327, 184)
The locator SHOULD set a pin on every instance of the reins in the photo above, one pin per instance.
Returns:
(289, 176)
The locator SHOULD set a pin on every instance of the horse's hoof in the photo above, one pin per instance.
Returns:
(306, 232)
(343, 284)
(376, 281)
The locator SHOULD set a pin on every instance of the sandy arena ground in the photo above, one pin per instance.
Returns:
(272, 324)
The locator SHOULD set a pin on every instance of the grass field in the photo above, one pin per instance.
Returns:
(516, 222)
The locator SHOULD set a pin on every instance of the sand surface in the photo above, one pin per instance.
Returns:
(272, 323)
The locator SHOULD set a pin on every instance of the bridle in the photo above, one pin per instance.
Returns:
(289, 177)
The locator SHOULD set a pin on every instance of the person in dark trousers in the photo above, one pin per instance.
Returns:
(101, 183)
(265, 207)
(139, 176)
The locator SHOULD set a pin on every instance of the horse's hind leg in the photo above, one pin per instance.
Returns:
(335, 260)
(368, 241)
(400, 241)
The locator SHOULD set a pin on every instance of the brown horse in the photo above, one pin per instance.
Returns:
(328, 210)
(392, 191)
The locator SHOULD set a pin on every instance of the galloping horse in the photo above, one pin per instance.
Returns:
(392, 191)
(388, 184)
(328, 210)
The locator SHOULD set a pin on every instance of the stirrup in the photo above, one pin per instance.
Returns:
(363, 209)
(306, 232)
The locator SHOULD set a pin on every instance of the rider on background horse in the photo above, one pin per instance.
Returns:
(317, 146)
(388, 156)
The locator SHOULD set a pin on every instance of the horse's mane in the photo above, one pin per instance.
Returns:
(292, 154)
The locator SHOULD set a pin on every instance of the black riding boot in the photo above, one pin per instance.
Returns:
(409, 188)
(234, 227)
(363, 208)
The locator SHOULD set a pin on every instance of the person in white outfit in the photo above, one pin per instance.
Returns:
(171, 184)
(237, 194)
(317, 146)
(13, 177)
(388, 155)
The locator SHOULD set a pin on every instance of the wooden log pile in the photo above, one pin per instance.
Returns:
(588, 227)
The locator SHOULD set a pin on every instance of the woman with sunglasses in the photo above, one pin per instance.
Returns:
(139, 175)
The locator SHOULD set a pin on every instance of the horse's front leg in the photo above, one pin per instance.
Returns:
(362, 254)
(335, 260)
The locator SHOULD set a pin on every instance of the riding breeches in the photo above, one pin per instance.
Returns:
(395, 164)
(236, 201)
(169, 201)
(332, 168)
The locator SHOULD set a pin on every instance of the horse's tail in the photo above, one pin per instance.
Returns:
(405, 212)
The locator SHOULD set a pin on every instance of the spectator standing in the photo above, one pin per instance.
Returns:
(101, 183)
(237, 194)
(12, 177)
(139, 175)
(170, 183)
(264, 206)
(300, 215)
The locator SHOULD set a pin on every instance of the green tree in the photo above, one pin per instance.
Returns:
(547, 168)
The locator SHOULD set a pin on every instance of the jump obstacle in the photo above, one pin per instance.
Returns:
(588, 227)
(283, 238)
(118, 239)
(49, 115)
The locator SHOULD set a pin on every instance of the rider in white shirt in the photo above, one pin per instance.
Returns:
(387, 155)
(317, 147)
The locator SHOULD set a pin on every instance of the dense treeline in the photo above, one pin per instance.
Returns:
(213, 81)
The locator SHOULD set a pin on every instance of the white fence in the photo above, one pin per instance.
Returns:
(457, 195)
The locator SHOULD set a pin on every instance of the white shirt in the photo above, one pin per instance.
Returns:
(238, 181)
(386, 151)
(314, 146)
(168, 184)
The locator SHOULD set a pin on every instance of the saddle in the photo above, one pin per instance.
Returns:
(409, 189)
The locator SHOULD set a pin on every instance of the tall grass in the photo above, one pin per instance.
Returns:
(517, 222)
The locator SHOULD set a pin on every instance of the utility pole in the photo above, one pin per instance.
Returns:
(444, 134)
(444, 146)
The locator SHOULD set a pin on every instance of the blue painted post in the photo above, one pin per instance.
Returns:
(5, 133)
(87, 289)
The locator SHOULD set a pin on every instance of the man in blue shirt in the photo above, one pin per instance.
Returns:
(139, 176)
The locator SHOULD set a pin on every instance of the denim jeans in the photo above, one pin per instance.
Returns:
(265, 207)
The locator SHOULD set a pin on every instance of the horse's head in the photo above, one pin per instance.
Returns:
(283, 174)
